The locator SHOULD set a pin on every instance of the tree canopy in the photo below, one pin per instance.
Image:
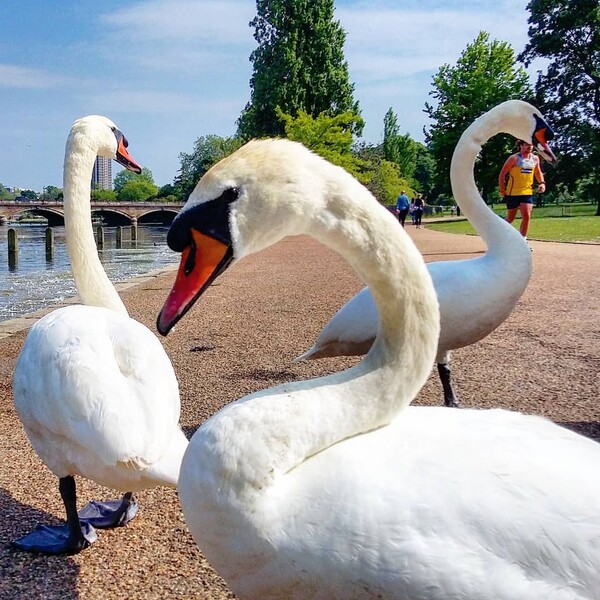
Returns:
(328, 136)
(133, 187)
(298, 65)
(125, 176)
(567, 33)
(208, 150)
(485, 75)
(5, 194)
(137, 191)
(397, 148)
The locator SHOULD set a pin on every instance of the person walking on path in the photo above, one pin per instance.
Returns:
(515, 184)
(419, 207)
(402, 207)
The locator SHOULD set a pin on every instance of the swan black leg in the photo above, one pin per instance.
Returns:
(76, 540)
(449, 397)
(109, 514)
(70, 538)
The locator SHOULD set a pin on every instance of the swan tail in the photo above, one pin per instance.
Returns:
(165, 471)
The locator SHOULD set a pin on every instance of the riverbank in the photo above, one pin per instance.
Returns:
(242, 336)
(11, 326)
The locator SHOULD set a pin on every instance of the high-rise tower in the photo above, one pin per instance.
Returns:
(102, 173)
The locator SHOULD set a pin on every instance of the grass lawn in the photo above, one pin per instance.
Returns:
(566, 223)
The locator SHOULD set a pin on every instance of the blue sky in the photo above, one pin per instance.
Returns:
(169, 71)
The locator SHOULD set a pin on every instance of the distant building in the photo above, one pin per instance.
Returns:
(102, 173)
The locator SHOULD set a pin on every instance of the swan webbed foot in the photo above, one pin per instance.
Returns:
(452, 402)
(58, 539)
(109, 514)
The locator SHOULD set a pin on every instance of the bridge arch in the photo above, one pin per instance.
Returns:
(112, 217)
(163, 216)
(114, 213)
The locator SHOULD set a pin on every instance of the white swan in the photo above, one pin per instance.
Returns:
(327, 488)
(94, 389)
(475, 295)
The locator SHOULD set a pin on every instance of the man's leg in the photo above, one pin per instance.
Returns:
(526, 209)
(511, 213)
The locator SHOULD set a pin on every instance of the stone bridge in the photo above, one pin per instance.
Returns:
(113, 213)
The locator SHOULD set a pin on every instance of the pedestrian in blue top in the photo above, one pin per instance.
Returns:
(402, 206)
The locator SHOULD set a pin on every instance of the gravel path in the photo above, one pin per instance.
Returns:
(240, 337)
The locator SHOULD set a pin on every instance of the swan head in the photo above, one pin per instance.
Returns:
(265, 191)
(104, 138)
(525, 122)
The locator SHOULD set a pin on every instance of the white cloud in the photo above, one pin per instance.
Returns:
(402, 42)
(13, 76)
(182, 36)
(185, 21)
(157, 103)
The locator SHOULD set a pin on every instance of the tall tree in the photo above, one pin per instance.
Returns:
(397, 148)
(424, 173)
(567, 32)
(298, 65)
(486, 74)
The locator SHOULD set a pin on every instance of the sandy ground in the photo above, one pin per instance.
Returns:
(241, 337)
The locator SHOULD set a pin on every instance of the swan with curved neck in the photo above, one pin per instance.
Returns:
(94, 389)
(333, 487)
(475, 295)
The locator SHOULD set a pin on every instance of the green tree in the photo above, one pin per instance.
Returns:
(328, 136)
(485, 75)
(5, 194)
(298, 65)
(125, 176)
(386, 182)
(424, 173)
(100, 195)
(29, 194)
(397, 148)
(51, 193)
(208, 150)
(136, 191)
(567, 32)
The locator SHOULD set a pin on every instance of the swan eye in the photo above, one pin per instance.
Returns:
(231, 194)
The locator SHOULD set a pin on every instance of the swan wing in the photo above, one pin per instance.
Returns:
(382, 511)
(102, 382)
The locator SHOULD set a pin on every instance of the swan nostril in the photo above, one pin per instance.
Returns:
(190, 261)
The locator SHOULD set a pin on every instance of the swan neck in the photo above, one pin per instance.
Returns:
(495, 232)
(287, 424)
(93, 285)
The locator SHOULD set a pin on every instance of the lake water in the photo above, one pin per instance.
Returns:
(35, 282)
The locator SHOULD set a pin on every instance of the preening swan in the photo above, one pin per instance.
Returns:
(332, 488)
(475, 295)
(94, 389)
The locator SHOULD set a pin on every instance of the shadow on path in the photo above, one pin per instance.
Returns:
(28, 575)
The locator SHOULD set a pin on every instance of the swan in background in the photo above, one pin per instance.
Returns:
(475, 295)
(333, 487)
(94, 389)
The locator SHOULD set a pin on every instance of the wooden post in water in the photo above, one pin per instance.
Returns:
(100, 237)
(13, 249)
(119, 234)
(49, 244)
(134, 231)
